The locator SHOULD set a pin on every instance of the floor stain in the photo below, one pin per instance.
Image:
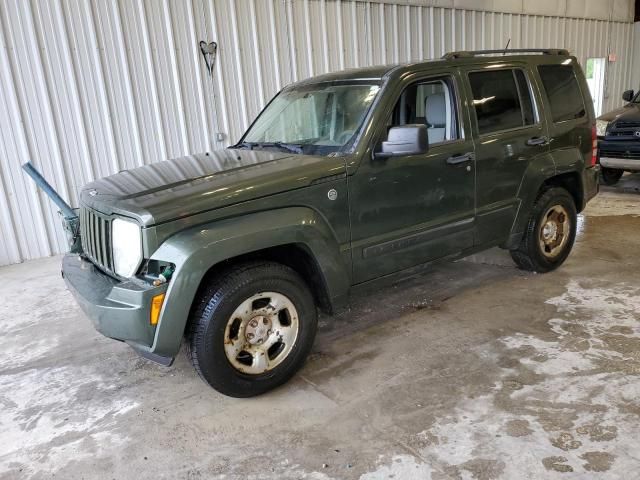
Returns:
(597, 461)
(557, 464)
(599, 433)
(518, 428)
(484, 469)
(565, 441)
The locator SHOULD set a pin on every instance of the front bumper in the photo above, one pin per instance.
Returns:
(118, 310)
(620, 163)
(622, 155)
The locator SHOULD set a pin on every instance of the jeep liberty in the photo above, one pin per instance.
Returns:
(343, 178)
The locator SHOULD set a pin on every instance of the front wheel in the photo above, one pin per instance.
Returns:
(252, 329)
(610, 176)
(550, 233)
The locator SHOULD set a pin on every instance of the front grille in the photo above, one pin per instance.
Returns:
(621, 154)
(95, 231)
(623, 130)
(627, 124)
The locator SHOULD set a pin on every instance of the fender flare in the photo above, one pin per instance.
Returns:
(196, 250)
(564, 168)
(537, 172)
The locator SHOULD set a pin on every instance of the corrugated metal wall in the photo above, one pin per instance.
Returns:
(91, 87)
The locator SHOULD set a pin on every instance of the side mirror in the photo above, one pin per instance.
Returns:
(627, 96)
(405, 140)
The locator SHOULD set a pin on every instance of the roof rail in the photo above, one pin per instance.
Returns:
(473, 53)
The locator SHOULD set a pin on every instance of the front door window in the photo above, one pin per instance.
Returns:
(430, 103)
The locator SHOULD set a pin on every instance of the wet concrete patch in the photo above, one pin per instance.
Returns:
(55, 416)
(518, 428)
(560, 404)
(557, 464)
(597, 461)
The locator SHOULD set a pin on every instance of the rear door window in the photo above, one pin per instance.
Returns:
(564, 94)
(502, 100)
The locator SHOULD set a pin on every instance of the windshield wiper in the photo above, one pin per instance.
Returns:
(288, 147)
(248, 145)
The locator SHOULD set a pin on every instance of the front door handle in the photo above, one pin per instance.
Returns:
(533, 141)
(458, 159)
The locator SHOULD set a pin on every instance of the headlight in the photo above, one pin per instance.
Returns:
(601, 127)
(127, 247)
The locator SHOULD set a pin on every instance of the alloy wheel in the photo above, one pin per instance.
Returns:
(261, 333)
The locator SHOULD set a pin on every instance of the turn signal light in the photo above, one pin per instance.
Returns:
(156, 306)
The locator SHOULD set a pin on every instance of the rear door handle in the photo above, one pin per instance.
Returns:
(533, 141)
(458, 159)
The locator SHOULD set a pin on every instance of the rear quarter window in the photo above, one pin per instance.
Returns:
(563, 91)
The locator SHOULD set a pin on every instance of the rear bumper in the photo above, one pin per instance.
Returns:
(590, 183)
(118, 310)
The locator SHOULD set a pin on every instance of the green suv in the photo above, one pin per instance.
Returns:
(343, 178)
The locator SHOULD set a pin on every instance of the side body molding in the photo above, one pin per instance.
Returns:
(196, 250)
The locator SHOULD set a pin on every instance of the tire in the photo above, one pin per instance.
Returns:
(540, 250)
(610, 176)
(233, 354)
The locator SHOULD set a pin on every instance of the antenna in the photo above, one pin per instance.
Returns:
(506, 47)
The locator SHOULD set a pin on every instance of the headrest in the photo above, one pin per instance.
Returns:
(435, 110)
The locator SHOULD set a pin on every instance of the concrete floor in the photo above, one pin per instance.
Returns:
(468, 370)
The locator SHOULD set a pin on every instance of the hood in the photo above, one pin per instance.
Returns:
(184, 186)
(630, 112)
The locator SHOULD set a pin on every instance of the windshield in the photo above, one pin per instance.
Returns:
(316, 119)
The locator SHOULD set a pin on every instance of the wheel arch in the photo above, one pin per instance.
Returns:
(547, 178)
(296, 236)
(571, 182)
(296, 256)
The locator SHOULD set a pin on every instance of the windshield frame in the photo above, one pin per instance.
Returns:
(348, 147)
(636, 98)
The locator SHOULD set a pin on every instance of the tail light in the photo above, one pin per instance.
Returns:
(594, 146)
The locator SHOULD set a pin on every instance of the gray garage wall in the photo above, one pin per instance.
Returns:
(635, 68)
(91, 87)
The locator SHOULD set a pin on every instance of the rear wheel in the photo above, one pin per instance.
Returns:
(610, 176)
(252, 329)
(550, 233)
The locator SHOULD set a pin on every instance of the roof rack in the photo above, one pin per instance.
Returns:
(473, 53)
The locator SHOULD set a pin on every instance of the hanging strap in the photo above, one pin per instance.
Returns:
(209, 51)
